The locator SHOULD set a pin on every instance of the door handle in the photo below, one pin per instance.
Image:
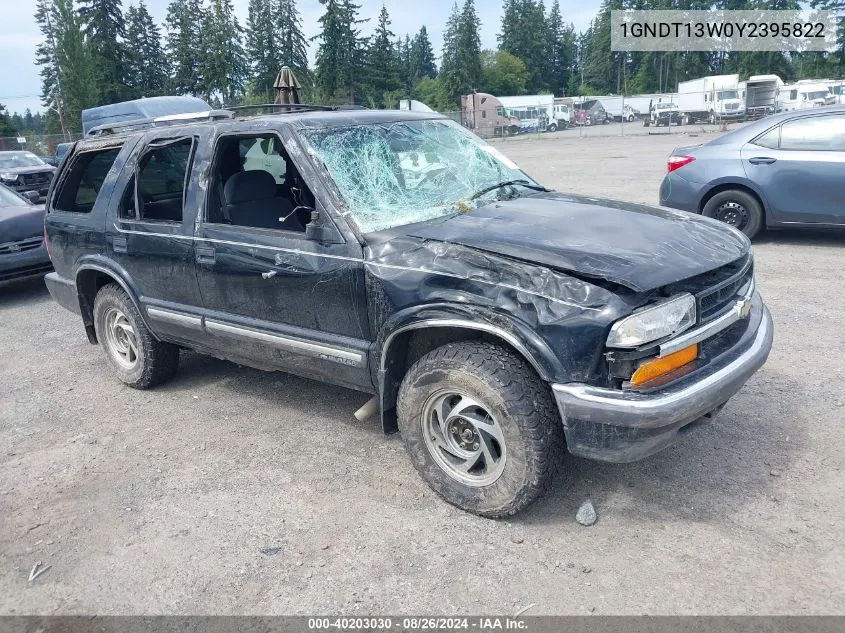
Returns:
(761, 160)
(205, 254)
(268, 274)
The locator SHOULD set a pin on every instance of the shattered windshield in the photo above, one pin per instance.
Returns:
(392, 174)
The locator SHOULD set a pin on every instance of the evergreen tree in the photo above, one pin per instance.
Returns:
(146, 63)
(382, 63)
(523, 26)
(184, 39)
(222, 61)
(340, 55)
(461, 68)
(261, 48)
(406, 73)
(67, 81)
(104, 30)
(274, 39)
(293, 49)
(421, 53)
(6, 126)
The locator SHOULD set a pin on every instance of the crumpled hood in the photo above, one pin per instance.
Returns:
(636, 246)
(19, 223)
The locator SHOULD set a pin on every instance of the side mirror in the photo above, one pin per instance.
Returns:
(33, 196)
(321, 231)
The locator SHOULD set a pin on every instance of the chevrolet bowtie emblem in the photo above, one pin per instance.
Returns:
(744, 308)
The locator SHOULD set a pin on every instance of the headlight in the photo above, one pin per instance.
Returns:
(654, 322)
(9, 177)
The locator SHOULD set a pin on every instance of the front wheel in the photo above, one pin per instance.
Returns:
(552, 128)
(480, 426)
(738, 208)
(136, 356)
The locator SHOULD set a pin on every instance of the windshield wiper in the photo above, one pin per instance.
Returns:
(499, 185)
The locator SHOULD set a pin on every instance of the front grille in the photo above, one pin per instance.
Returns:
(731, 106)
(715, 290)
(39, 178)
(21, 246)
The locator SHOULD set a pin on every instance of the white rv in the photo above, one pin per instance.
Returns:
(536, 113)
(807, 93)
(710, 98)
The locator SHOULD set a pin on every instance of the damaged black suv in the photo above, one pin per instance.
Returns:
(396, 253)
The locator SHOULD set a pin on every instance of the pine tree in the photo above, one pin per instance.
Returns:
(67, 81)
(274, 39)
(184, 39)
(104, 30)
(340, 55)
(523, 26)
(422, 62)
(293, 48)
(146, 63)
(461, 71)
(382, 63)
(261, 48)
(222, 61)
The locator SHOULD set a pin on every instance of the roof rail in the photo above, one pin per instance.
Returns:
(134, 125)
(284, 107)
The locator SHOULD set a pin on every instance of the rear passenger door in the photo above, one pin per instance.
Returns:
(151, 234)
(800, 167)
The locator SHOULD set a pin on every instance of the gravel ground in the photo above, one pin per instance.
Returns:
(236, 491)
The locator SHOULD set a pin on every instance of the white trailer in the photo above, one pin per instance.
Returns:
(710, 98)
(807, 93)
(760, 95)
(837, 89)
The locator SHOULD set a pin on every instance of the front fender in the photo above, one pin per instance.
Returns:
(389, 355)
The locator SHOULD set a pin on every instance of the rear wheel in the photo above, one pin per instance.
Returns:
(480, 427)
(737, 208)
(136, 356)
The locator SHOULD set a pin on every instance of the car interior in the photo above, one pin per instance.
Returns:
(255, 184)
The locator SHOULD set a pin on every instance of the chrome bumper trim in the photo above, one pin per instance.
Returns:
(687, 401)
(739, 310)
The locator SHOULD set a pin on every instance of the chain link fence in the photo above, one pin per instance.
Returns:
(41, 145)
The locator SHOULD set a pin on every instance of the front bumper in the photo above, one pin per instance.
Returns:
(621, 426)
(23, 264)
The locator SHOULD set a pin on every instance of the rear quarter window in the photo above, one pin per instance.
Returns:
(86, 175)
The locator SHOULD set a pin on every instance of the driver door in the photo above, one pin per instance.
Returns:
(275, 296)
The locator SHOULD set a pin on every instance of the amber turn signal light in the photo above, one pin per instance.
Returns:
(655, 367)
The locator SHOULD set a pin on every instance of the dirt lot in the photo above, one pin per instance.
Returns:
(236, 491)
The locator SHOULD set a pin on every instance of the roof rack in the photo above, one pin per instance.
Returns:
(284, 107)
(134, 125)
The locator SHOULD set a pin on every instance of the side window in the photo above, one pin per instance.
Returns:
(254, 184)
(770, 139)
(793, 95)
(819, 133)
(264, 154)
(160, 192)
(86, 177)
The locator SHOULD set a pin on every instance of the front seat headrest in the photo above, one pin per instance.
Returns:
(246, 186)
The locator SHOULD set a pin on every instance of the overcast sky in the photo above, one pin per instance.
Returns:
(20, 86)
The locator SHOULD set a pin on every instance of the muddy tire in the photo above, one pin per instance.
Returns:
(481, 427)
(737, 208)
(136, 356)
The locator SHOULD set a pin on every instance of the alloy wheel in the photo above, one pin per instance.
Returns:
(463, 438)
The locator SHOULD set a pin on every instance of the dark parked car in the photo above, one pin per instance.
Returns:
(24, 171)
(22, 251)
(398, 254)
(787, 170)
